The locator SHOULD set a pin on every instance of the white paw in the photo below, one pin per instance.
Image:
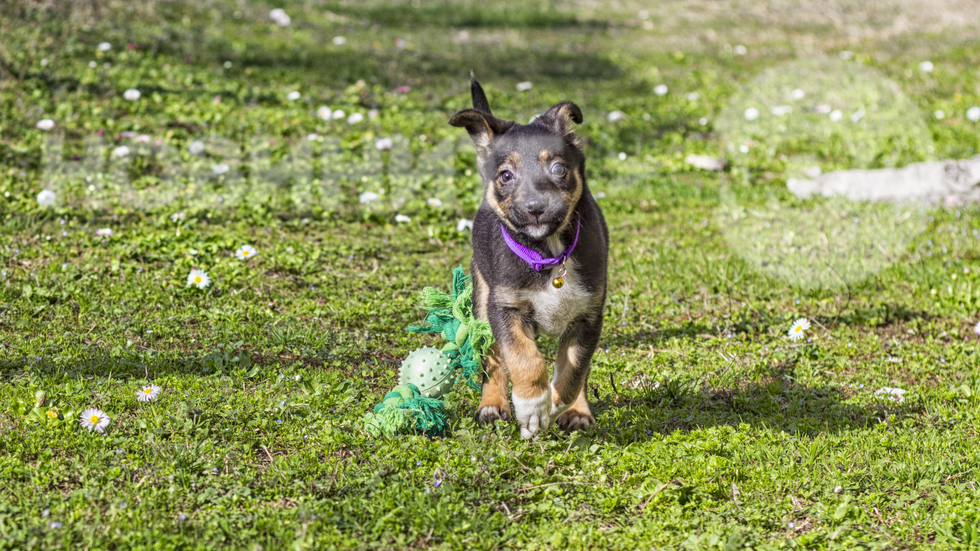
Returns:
(535, 415)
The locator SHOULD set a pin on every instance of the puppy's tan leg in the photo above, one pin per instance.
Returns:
(571, 377)
(493, 403)
(527, 367)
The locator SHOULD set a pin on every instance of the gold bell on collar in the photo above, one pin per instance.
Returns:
(559, 280)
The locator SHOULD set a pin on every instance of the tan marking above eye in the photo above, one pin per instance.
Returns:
(544, 155)
(514, 160)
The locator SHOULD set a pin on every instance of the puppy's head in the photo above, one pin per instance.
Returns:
(533, 174)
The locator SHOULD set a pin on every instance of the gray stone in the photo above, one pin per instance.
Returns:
(951, 182)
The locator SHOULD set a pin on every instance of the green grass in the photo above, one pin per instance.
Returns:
(715, 431)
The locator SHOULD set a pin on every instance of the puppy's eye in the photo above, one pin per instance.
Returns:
(558, 169)
(505, 176)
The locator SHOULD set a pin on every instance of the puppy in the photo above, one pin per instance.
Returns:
(540, 249)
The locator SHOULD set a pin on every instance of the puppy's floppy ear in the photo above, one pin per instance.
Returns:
(560, 118)
(481, 126)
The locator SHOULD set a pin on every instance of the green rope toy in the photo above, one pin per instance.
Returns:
(427, 374)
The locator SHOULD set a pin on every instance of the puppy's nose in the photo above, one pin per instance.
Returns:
(535, 206)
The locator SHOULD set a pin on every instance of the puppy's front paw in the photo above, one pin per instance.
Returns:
(489, 414)
(534, 414)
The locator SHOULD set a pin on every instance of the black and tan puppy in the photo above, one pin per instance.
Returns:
(540, 248)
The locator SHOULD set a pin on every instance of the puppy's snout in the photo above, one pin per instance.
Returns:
(535, 206)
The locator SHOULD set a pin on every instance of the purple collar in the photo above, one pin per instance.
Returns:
(534, 258)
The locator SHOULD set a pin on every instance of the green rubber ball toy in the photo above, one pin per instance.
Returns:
(429, 370)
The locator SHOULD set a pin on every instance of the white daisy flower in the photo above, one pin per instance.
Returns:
(383, 143)
(94, 419)
(293, 96)
(132, 94)
(524, 86)
(199, 278)
(692, 96)
(740, 49)
(46, 197)
(939, 114)
(367, 197)
(836, 115)
(176, 216)
(120, 151)
(402, 218)
(780, 110)
(338, 114)
(312, 137)
(857, 115)
(148, 393)
(973, 113)
(464, 224)
(220, 168)
(143, 138)
(751, 114)
(434, 202)
(660, 89)
(245, 252)
(797, 94)
(339, 41)
(615, 116)
(279, 17)
(896, 394)
(324, 113)
(104, 232)
(926, 67)
(45, 124)
(104, 47)
(196, 147)
(355, 118)
(846, 54)
(822, 109)
(976, 328)
(795, 332)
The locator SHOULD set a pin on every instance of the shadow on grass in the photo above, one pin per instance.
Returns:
(490, 58)
(683, 405)
(488, 62)
(436, 14)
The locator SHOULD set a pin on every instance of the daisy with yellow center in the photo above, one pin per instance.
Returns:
(94, 419)
(245, 252)
(198, 278)
(799, 326)
(148, 392)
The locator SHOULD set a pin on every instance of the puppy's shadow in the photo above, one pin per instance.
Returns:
(682, 404)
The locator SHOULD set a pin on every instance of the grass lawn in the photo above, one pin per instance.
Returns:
(716, 431)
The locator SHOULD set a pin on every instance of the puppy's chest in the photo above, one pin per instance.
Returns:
(554, 309)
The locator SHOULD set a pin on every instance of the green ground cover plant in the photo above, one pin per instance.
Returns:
(716, 430)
